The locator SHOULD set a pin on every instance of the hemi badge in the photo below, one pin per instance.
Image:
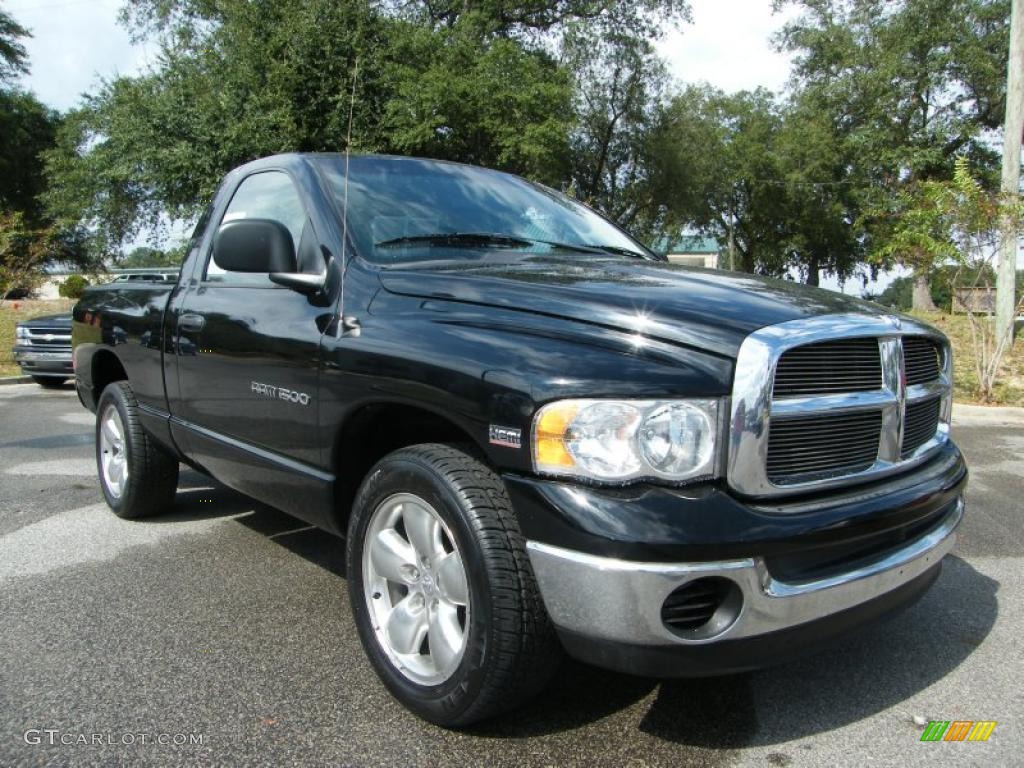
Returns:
(506, 436)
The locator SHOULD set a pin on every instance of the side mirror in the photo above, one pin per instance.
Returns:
(254, 245)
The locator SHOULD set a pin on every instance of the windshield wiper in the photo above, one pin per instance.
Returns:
(493, 239)
(617, 250)
(457, 239)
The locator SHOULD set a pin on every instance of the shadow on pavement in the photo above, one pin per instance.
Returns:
(869, 672)
(200, 497)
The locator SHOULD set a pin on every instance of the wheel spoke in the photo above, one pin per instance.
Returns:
(451, 578)
(110, 431)
(389, 552)
(423, 530)
(407, 624)
(445, 635)
(117, 470)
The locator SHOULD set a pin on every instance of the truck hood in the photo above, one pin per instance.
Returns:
(704, 309)
(49, 321)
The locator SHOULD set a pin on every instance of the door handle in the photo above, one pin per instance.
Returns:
(191, 322)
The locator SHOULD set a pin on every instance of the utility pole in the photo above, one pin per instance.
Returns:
(1013, 128)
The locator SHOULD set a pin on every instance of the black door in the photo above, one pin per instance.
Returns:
(248, 360)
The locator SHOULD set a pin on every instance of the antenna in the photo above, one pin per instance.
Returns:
(349, 324)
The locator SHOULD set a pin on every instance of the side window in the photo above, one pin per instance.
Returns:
(264, 195)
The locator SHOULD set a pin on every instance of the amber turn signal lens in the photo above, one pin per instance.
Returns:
(550, 434)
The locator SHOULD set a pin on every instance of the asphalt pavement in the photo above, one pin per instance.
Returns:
(220, 634)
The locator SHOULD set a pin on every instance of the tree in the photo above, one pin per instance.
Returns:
(28, 128)
(13, 57)
(28, 238)
(144, 256)
(473, 81)
(818, 189)
(913, 84)
(25, 249)
(620, 85)
(958, 222)
(723, 148)
(73, 287)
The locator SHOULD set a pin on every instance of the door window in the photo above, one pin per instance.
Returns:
(264, 195)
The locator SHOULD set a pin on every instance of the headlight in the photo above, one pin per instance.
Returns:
(21, 332)
(621, 440)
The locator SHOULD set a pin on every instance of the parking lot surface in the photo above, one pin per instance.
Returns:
(225, 627)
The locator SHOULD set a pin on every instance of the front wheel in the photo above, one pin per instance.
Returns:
(138, 477)
(441, 588)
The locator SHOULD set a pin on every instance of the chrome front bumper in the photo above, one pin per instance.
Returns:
(620, 601)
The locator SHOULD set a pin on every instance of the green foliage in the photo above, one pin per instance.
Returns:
(916, 81)
(907, 86)
(614, 160)
(237, 80)
(899, 294)
(13, 57)
(73, 287)
(27, 128)
(144, 256)
(508, 107)
(830, 179)
(25, 249)
(772, 173)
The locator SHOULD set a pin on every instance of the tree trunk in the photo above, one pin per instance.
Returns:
(922, 300)
(813, 271)
(747, 262)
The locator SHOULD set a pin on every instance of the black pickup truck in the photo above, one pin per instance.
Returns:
(535, 435)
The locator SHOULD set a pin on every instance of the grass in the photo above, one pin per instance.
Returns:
(1010, 390)
(12, 312)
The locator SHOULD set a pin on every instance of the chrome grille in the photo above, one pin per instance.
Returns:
(836, 399)
(920, 424)
(920, 359)
(842, 365)
(822, 445)
(49, 337)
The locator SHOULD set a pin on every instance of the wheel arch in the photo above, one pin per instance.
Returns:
(376, 429)
(105, 367)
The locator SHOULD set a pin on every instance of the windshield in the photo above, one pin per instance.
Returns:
(405, 209)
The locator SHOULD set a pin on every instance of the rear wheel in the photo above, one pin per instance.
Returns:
(441, 588)
(138, 477)
(50, 382)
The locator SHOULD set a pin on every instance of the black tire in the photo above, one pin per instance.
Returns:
(511, 648)
(152, 474)
(50, 382)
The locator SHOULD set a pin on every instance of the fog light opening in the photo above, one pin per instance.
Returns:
(702, 608)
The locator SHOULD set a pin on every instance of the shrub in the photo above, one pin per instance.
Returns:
(73, 287)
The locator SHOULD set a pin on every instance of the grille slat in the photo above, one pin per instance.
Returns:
(920, 424)
(920, 360)
(820, 444)
(829, 367)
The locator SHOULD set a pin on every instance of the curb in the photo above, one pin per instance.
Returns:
(15, 380)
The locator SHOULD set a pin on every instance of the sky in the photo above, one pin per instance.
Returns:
(78, 43)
